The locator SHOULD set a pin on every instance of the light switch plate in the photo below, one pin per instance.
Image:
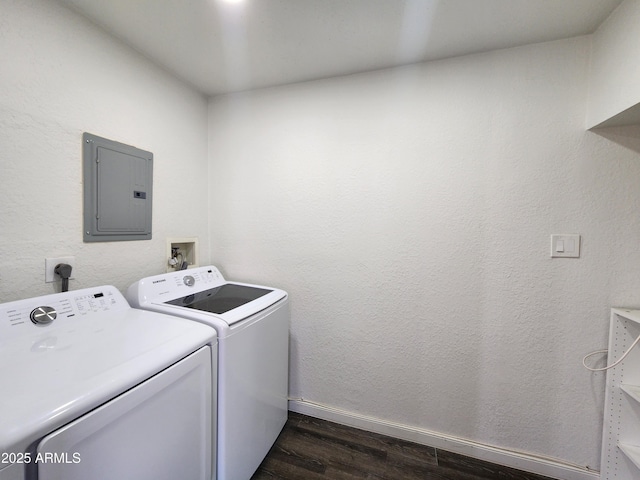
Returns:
(565, 246)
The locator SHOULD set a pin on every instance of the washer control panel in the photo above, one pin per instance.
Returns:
(197, 277)
(31, 315)
(175, 284)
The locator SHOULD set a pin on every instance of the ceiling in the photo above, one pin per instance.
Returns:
(221, 47)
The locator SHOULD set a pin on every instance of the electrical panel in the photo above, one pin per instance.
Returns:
(117, 191)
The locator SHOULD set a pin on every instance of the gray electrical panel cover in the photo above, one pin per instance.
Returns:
(117, 191)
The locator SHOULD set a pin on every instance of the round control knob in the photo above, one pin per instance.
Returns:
(189, 281)
(43, 315)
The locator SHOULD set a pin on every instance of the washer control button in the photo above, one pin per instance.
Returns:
(43, 315)
(189, 281)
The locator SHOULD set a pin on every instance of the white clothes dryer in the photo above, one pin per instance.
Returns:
(252, 323)
(94, 389)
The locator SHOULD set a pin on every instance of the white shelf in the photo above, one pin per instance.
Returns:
(633, 315)
(632, 390)
(631, 451)
(620, 458)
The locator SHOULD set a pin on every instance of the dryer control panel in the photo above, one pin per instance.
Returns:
(33, 314)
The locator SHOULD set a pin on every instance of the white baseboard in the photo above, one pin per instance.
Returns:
(522, 461)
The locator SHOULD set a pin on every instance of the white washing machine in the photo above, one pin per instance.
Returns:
(94, 389)
(252, 323)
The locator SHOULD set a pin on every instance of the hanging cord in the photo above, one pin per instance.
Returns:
(605, 351)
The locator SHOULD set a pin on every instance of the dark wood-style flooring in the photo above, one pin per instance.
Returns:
(309, 448)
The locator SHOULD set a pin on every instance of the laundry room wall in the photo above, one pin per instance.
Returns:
(62, 76)
(408, 212)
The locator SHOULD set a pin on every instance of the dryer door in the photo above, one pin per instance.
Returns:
(161, 429)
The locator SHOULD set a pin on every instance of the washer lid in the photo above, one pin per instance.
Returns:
(96, 348)
(221, 299)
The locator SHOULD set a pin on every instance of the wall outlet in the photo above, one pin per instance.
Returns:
(50, 265)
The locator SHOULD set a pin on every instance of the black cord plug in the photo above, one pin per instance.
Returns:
(64, 270)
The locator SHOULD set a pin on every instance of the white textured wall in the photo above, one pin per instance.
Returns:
(408, 213)
(60, 77)
(615, 68)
